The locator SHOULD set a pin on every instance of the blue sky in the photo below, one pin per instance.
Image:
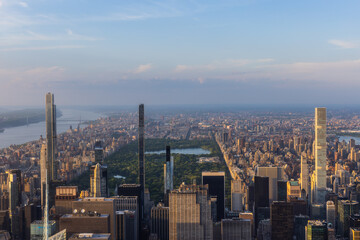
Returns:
(179, 52)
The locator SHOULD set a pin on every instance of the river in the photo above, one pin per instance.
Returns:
(31, 132)
(347, 138)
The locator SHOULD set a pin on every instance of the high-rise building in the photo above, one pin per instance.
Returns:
(282, 190)
(316, 230)
(354, 233)
(168, 173)
(50, 119)
(190, 213)
(63, 199)
(43, 168)
(235, 229)
(282, 220)
(160, 221)
(274, 174)
(261, 199)
(37, 229)
(236, 196)
(293, 190)
(98, 181)
(99, 152)
(304, 174)
(320, 154)
(141, 140)
(300, 223)
(216, 182)
(346, 208)
(330, 213)
(126, 225)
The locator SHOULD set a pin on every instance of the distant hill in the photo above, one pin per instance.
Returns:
(22, 117)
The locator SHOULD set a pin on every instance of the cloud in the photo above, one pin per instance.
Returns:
(23, 4)
(344, 44)
(143, 68)
(41, 48)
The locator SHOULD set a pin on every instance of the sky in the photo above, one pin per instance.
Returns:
(92, 52)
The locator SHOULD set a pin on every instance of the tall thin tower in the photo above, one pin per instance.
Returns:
(141, 158)
(320, 154)
(304, 174)
(50, 118)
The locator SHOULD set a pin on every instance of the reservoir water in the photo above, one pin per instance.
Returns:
(31, 132)
(195, 151)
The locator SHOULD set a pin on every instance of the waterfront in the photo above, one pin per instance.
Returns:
(347, 138)
(31, 132)
(194, 151)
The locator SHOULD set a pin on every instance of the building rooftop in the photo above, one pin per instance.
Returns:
(316, 223)
(91, 236)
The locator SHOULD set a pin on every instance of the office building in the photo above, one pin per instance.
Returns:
(168, 174)
(236, 196)
(250, 216)
(98, 181)
(64, 197)
(160, 221)
(304, 175)
(91, 236)
(51, 150)
(320, 154)
(274, 174)
(126, 225)
(141, 139)
(293, 190)
(99, 152)
(190, 213)
(43, 169)
(346, 209)
(216, 182)
(354, 233)
(85, 222)
(330, 213)
(316, 230)
(282, 190)
(282, 220)
(37, 229)
(105, 206)
(261, 199)
(235, 229)
(300, 223)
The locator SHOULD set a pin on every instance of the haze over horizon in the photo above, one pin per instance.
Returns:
(179, 52)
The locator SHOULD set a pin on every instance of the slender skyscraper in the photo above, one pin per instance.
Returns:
(168, 172)
(320, 154)
(50, 118)
(43, 167)
(304, 175)
(141, 158)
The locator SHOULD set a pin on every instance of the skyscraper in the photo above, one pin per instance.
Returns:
(50, 119)
(141, 159)
(304, 175)
(282, 220)
(216, 182)
(168, 172)
(274, 174)
(43, 167)
(320, 154)
(160, 221)
(99, 152)
(236, 196)
(330, 213)
(98, 180)
(190, 213)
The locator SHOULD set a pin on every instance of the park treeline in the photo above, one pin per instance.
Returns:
(186, 167)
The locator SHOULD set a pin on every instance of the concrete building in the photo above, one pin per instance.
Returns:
(216, 182)
(98, 181)
(64, 197)
(320, 154)
(293, 190)
(190, 213)
(274, 174)
(160, 221)
(85, 222)
(126, 225)
(141, 140)
(330, 213)
(304, 174)
(346, 208)
(236, 196)
(236, 229)
(43, 169)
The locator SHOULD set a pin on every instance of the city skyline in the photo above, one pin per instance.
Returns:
(183, 52)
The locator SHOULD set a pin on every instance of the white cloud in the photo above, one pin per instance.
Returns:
(23, 4)
(143, 68)
(344, 44)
